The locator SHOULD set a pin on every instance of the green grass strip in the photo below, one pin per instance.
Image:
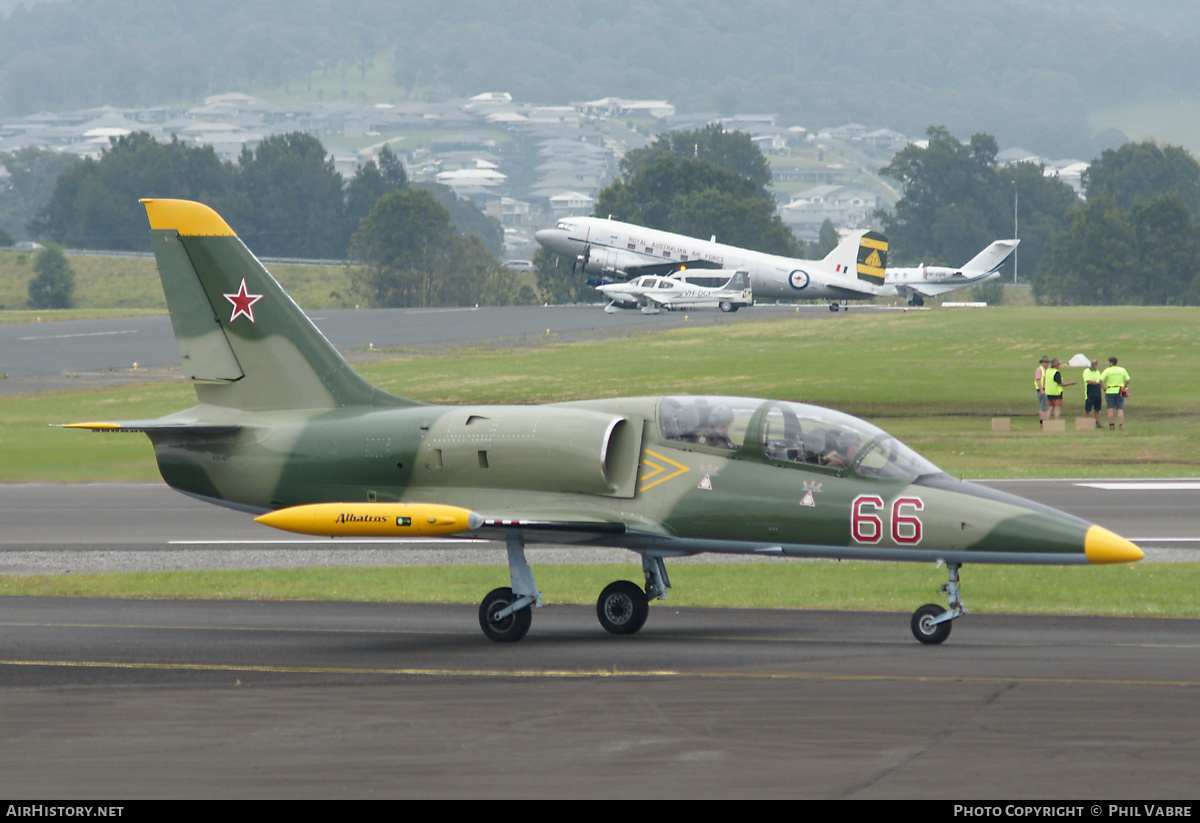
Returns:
(1137, 590)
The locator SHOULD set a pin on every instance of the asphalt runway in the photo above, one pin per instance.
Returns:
(120, 699)
(52, 355)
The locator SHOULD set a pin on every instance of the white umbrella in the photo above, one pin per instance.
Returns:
(1080, 361)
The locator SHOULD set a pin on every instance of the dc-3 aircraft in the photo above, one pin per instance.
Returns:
(286, 430)
(920, 282)
(618, 251)
(688, 289)
(856, 269)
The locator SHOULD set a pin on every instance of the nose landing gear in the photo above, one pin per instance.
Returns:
(931, 623)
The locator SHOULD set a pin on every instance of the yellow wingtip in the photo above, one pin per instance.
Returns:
(187, 217)
(1102, 546)
(94, 426)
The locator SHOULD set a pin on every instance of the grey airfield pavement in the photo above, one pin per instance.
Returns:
(219, 699)
(71, 353)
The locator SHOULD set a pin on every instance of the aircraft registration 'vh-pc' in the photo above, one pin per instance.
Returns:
(618, 251)
(286, 430)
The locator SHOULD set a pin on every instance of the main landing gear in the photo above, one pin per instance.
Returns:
(931, 623)
(505, 615)
(834, 305)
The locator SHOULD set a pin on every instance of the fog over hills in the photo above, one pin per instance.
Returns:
(1027, 72)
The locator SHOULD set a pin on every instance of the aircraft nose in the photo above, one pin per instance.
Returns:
(1102, 546)
(553, 239)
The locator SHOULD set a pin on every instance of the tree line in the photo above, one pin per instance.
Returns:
(414, 244)
(1134, 240)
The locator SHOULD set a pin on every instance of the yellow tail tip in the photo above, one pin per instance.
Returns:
(1102, 546)
(187, 217)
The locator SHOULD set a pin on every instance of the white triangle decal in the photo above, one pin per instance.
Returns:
(705, 484)
(807, 500)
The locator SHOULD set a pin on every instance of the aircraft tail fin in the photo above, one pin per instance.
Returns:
(861, 256)
(991, 258)
(241, 338)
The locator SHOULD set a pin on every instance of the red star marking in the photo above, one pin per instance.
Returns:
(243, 302)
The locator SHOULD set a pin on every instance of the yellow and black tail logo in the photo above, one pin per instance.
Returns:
(872, 257)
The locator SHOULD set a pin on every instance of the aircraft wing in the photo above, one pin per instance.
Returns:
(665, 268)
(156, 427)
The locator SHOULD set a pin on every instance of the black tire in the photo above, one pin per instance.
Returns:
(622, 607)
(833, 307)
(510, 629)
(726, 306)
(931, 634)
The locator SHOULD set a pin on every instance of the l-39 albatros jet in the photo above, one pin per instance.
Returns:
(931, 281)
(286, 430)
(613, 250)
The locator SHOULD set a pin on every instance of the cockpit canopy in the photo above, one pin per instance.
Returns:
(789, 433)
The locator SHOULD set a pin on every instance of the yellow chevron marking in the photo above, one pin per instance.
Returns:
(657, 470)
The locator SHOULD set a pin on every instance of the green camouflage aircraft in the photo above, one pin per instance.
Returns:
(285, 429)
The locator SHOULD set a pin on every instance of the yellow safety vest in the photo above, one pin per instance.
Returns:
(1115, 378)
(1053, 389)
(1039, 378)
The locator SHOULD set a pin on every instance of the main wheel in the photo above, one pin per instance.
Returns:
(510, 629)
(923, 627)
(622, 607)
(727, 306)
(833, 307)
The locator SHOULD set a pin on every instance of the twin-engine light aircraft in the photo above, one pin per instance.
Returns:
(618, 251)
(698, 289)
(286, 430)
(920, 282)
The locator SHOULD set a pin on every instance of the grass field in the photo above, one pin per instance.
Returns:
(129, 285)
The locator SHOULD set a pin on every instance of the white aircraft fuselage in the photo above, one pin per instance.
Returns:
(611, 249)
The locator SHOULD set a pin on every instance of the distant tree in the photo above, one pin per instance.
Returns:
(957, 200)
(6, 238)
(696, 198)
(95, 205)
(1088, 262)
(1142, 171)
(732, 150)
(466, 218)
(31, 176)
(53, 283)
(827, 240)
(373, 180)
(411, 257)
(290, 199)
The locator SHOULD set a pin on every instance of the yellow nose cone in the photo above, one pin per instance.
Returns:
(1102, 546)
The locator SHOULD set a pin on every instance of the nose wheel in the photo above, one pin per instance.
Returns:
(931, 623)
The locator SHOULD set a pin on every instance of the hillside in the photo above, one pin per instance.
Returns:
(1029, 75)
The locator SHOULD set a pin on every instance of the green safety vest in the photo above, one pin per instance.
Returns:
(1053, 389)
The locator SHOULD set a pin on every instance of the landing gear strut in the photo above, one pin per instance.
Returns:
(505, 614)
(931, 623)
